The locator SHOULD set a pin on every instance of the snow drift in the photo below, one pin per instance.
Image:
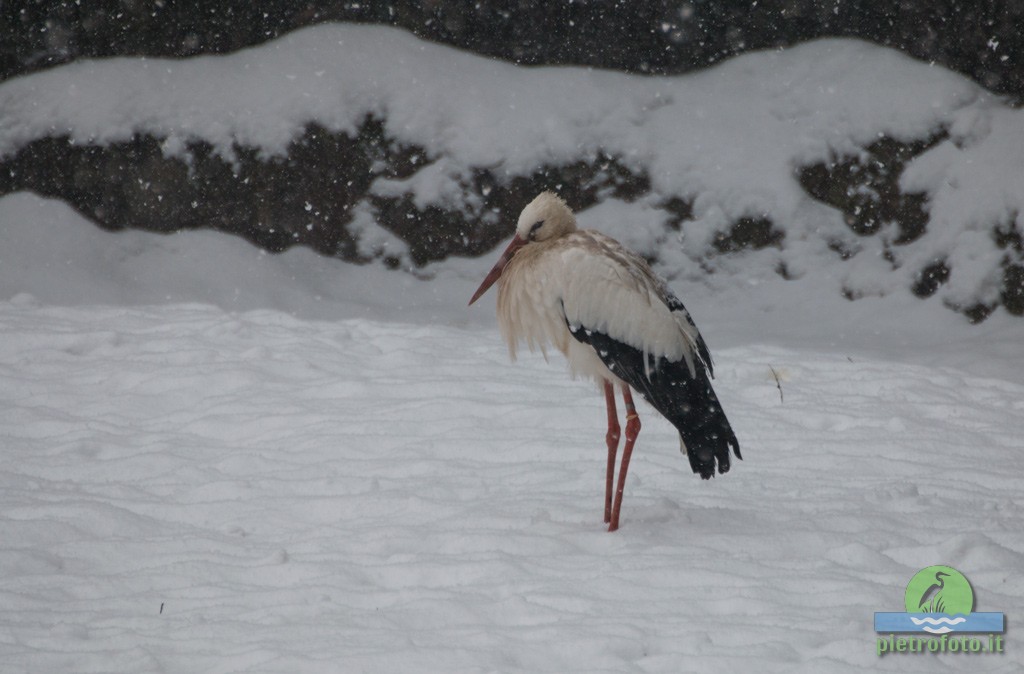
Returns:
(710, 154)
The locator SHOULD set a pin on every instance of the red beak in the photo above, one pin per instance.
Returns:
(498, 267)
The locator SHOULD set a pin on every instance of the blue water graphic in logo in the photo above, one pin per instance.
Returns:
(938, 623)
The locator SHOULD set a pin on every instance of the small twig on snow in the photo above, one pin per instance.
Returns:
(778, 382)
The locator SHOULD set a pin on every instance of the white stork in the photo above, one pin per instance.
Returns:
(617, 322)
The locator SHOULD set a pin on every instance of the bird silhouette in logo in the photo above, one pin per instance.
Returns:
(932, 600)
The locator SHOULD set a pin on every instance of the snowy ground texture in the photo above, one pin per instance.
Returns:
(217, 460)
(188, 486)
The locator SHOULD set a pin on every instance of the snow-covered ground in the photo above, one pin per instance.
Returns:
(213, 459)
(197, 478)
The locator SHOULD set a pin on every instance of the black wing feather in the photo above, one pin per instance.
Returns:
(687, 401)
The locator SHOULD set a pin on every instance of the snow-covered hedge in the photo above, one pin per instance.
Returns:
(364, 142)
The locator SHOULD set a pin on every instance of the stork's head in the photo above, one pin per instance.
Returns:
(545, 218)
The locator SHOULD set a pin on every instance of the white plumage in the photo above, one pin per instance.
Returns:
(588, 279)
(616, 322)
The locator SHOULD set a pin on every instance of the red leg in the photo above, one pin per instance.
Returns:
(632, 431)
(612, 438)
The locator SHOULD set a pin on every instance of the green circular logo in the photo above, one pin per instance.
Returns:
(939, 589)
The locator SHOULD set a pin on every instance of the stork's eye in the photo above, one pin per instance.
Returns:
(533, 230)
